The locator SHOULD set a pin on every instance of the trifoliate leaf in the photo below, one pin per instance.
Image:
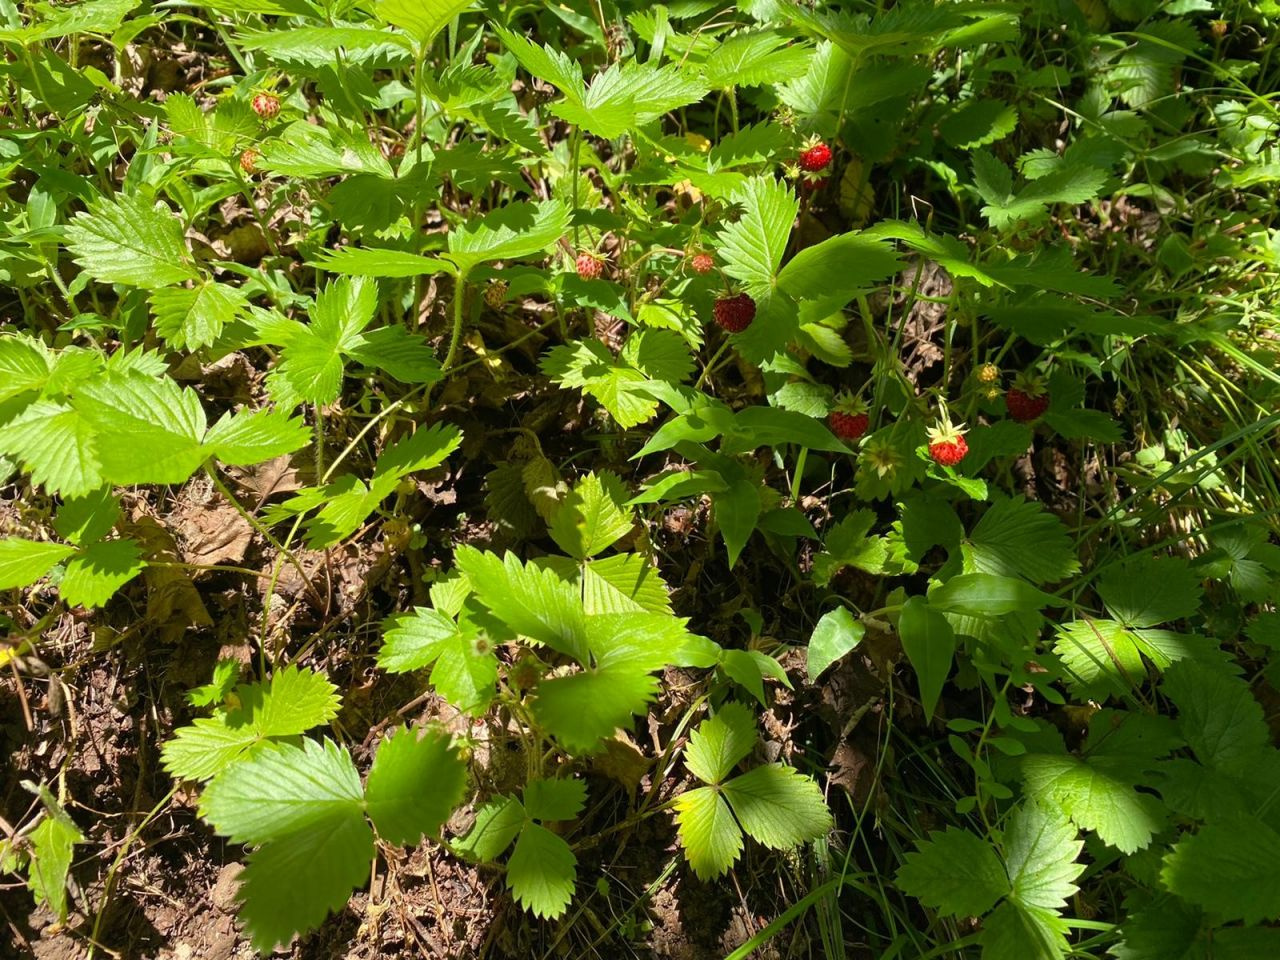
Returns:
(592, 517)
(720, 743)
(255, 436)
(1148, 591)
(836, 634)
(955, 872)
(541, 871)
(128, 240)
(23, 562)
(95, 573)
(293, 702)
(531, 601)
(414, 785)
(497, 823)
(614, 382)
(1016, 537)
(778, 806)
(710, 836)
(581, 709)
(1228, 868)
(560, 799)
(752, 246)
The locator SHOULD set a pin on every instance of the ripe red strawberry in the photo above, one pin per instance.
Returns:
(249, 160)
(1027, 399)
(815, 156)
(589, 265)
(265, 105)
(947, 445)
(735, 313)
(848, 420)
(702, 263)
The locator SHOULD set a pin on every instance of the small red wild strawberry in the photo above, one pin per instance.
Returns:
(589, 265)
(265, 105)
(848, 420)
(947, 445)
(702, 263)
(815, 156)
(1027, 399)
(735, 313)
(249, 160)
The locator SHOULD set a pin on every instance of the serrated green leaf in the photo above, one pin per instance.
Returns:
(592, 517)
(1148, 591)
(497, 823)
(83, 520)
(1218, 716)
(293, 702)
(752, 246)
(622, 583)
(711, 838)
(25, 365)
(751, 59)
(1015, 932)
(95, 573)
(255, 436)
(581, 709)
(1040, 850)
(541, 871)
(23, 562)
(955, 872)
(988, 595)
(150, 430)
(416, 781)
(1016, 537)
(1094, 799)
(513, 232)
(720, 743)
(560, 799)
(533, 602)
(421, 19)
(57, 446)
(379, 262)
(462, 673)
(1228, 868)
(128, 240)
(190, 318)
(52, 844)
(778, 806)
(838, 267)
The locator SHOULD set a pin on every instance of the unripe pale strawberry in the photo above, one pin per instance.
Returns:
(265, 105)
(589, 266)
(702, 263)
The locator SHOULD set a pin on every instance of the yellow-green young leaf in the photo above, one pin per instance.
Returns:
(129, 240)
(414, 785)
(592, 517)
(778, 806)
(421, 19)
(95, 573)
(23, 562)
(541, 871)
(720, 743)
(710, 836)
(293, 702)
(25, 364)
